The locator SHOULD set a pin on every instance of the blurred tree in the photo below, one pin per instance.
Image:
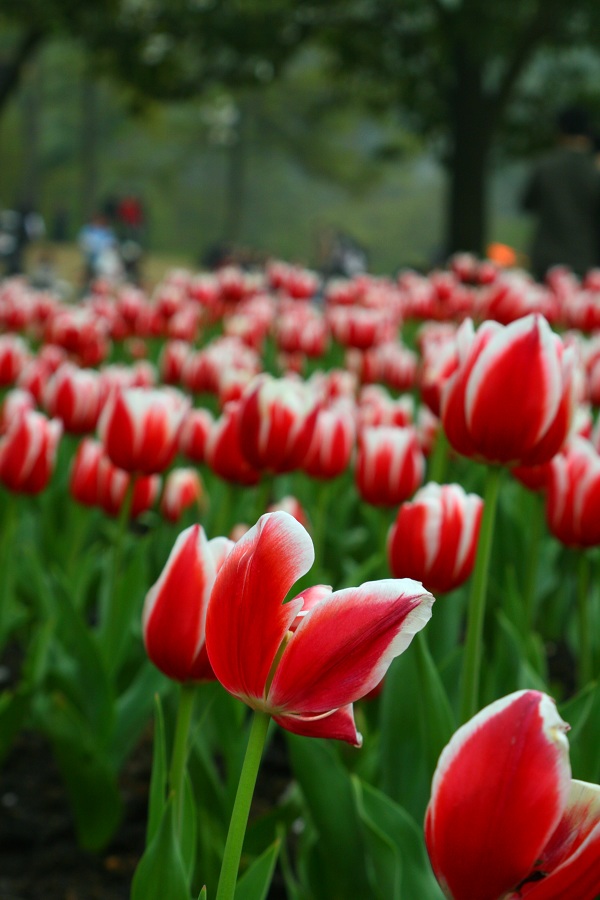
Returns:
(460, 74)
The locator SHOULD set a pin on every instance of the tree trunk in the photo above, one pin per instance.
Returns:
(12, 69)
(468, 162)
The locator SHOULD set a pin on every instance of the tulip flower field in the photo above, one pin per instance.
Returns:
(331, 550)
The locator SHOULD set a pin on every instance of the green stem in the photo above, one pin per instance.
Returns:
(319, 524)
(583, 617)
(476, 615)
(241, 807)
(109, 619)
(180, 750)
(438, 461)
(264, 491)
(220, 523)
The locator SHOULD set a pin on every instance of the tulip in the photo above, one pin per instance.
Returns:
(83, 482)
(14, 353)
(573, 495)
(139, 428)
(193, 434)
(183, 488)
(332, 442)
(292, 506)
(16, 402)
(28, 452)
(356, 326)
(301, 330)
(277, 420)
(434, 537)
(73, 395)
(512, 397)
(223, 451)
(341, 649)
(113, 484)
(174, 615)
(389, 465)
(505, 819)
(172, 360)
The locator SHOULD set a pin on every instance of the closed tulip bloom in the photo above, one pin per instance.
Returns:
(174, 615)
(139, 428)
(332, 442)
(505, 819)
(112, 489)
(434, 538)
(360, 327)
(28, 452)
(83, 482)
(573, 495)
(277, 420)
(73, 395)
(292, 506)
(172, 360)
(223, 452)
(307, 678)
(301, 330)
(15, 403)
(14, 353)
(193, 434)
(389, 465)
(183, 489)
(512, 397)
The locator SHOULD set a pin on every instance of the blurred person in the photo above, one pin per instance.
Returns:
(563, 192)
(98, 244)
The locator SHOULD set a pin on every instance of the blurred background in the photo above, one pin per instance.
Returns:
(194, 125)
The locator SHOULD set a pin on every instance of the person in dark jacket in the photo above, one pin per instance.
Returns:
(563, 193)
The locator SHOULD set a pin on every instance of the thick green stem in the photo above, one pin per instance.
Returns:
(241, 807)
(583, 617)
(180, 750)
(476, 615)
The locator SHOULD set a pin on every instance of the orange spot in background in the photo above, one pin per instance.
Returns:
(501, 254)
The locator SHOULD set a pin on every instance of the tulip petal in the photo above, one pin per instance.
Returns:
(572, 856)
(498, 793)
(338, 725)
(247, 619)
(175, 608)
(344, 645)
(504, 421)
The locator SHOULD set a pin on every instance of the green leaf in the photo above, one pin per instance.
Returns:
(160, 872)
(88, 686)
(90, 780)
(585, 737)
(157, 798)
(404, 775)
(202, 895)
(328, 792)
(255, 882)
(133, 711)
(437, 722)
(383, 818)
(188, 829)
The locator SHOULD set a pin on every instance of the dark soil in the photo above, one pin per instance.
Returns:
(39, 857)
